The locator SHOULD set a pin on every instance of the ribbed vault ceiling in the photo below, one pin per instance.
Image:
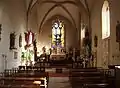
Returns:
(70, 9)
(90, 3)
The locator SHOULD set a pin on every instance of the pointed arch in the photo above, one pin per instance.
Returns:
(58, 33)
(53, 7)
(105, 20)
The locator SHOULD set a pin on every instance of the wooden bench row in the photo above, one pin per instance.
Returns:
(89, 78)
(98, 85)
(10, 72)
(23, 81)
(20, 86)
(16, 78)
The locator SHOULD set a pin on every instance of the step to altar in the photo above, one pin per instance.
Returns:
(57, 70)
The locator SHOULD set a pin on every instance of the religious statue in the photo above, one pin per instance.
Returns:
(87, 43)
(20, 40)
(86, 39)
(44, 50)
(29, 38)
(50, 50)
(12, 40)
(95, 41)
(35, 50)
(118, 32)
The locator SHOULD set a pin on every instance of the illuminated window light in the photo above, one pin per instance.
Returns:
(57, 30)
(82, 34)
(105, 20)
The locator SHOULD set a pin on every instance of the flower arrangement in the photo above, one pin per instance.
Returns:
(26, 56)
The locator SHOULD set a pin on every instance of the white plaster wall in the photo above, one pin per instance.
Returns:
(97, 29)
(12, 18)
(33, 20)
(96, 23)
(42, 10)
(74, 10)
(115, 15)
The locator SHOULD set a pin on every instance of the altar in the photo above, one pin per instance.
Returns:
(58, 54)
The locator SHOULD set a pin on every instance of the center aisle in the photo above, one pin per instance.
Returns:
(58, 80)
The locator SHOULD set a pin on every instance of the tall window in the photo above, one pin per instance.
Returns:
(82, 35)
(105, 20)
(57, 34)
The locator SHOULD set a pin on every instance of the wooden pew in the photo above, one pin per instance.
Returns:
(23, 81)
(82, 80)
(83, 70)
(25, 75)
(78, 74)
(80, 77)
(36, 74)
(98, 85)
(20, 86)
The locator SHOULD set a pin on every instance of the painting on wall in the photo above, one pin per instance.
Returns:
(118, 32)
(15, 55)
(0, 31)
(95, 41)
(29, 38)
(12, 40)
(20, 40)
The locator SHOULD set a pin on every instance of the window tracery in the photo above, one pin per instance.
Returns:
(58, 34)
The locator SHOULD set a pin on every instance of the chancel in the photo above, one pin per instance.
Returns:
(58, 39)
(59, 44)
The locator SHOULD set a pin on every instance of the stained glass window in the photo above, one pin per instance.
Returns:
(58, 34)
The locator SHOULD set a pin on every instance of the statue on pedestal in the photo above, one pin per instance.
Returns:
(118, 32)
(35, 50)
